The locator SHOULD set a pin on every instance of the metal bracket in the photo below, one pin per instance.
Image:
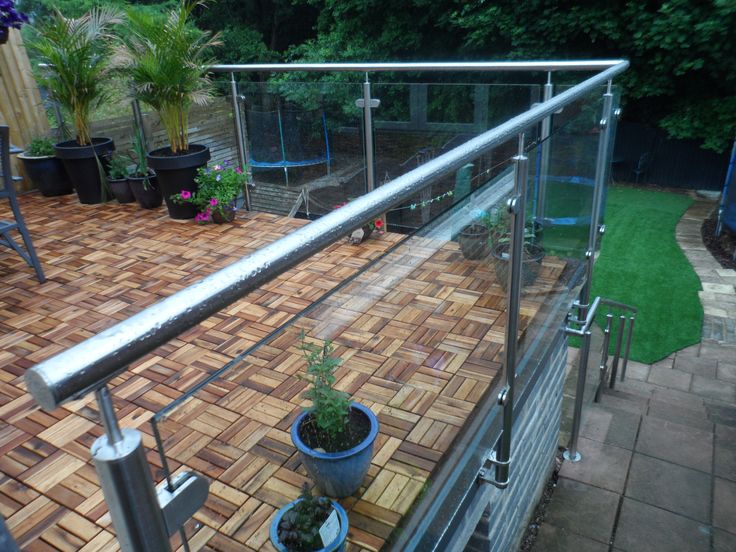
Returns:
(512, 205)
(485, 475)
(374, 103)
(189, 494)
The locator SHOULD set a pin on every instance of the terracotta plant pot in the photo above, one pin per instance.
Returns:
(473, 241)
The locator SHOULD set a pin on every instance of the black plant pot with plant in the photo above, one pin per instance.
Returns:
(117, 178)
(87, 167)
(146, 191)
(177, 173)
(77, 53)
(46, 172)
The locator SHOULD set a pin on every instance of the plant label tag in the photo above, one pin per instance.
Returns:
(330, 529)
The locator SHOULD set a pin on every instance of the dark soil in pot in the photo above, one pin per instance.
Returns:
(359, 426)
(47, 175)
(121, 190)
(176, 172)
(82, 164)
(148, 194)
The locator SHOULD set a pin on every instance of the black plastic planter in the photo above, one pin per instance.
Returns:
(176, 173)
(4, 31)
(121, 190)
(148, 194)
(47, 175)
(82, 164)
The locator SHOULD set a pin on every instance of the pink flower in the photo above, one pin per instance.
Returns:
(238, 170)
(213, 201)
(378, 224)
(200, 217)
(218, 167)
(185, 194)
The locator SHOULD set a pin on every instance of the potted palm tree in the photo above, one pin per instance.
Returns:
(76, 52)
(335, 437)
(167, 62)
(44, 169)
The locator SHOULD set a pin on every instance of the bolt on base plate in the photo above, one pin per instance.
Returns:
(576, 458)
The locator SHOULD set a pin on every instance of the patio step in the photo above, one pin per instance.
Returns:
(274, 198)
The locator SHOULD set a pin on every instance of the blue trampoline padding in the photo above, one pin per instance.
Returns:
(281, 164)
(568, 221)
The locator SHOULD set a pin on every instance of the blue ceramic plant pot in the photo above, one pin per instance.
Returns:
(338, 545)
(338, 474)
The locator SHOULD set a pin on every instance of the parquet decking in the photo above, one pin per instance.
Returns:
(420, 335)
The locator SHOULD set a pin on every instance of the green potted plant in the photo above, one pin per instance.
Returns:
(46, 172)
(335, 437)
(532, 251)
(10, 18)
(117, 178)
(142, 181)
(76, 52)
(217, 189)
(167, 61)
(310, 524)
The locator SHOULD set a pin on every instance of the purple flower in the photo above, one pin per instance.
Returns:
(227, 162)
(218, 177)
(218, 167)
(185, 194)
(238, 170)
(213, 201)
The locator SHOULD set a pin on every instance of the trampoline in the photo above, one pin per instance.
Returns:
(284, 139)
(559, 205)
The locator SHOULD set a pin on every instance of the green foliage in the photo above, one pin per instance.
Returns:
(166, 59)
(298, 529)
(117, 167)
(138, 154)
(217, 189)
(77, 51)
(330, 406)
(40, 147)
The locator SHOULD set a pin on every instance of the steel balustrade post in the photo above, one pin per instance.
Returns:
(239, 138)
(617, 352)
(126, 484)
(601, 171)
(604, 358)
(544, 164)
(370, 166)
(572, 454)
(628, 347)
(517, 209)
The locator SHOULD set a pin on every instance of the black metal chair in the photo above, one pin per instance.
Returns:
(7, 228)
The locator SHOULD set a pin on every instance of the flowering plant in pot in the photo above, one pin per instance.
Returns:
(46, 172)
(532, 253)
(166, 60)
(335, 437)
(217, 189)
(10, 18)
(364, 232)
(310, 524)
(77, 54)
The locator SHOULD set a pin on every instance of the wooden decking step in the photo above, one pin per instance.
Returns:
(274, 198)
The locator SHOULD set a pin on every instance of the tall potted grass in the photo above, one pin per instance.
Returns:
(77, 52)
(167, 59)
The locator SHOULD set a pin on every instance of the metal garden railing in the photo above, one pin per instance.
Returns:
(145, 517)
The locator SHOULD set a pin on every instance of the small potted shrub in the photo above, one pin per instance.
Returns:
(217, 189)
(305, 524)
(10, 18)
(335, 437)
(142, 181)
(167, 62)
(46, 172)
(473, 240)
(117, 178)
(77, 54)
(532, 252)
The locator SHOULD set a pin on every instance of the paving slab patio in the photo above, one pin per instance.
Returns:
(662, 446)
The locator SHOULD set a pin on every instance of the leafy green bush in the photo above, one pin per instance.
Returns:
(40, 147)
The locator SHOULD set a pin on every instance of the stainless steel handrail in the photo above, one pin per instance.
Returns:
(460, 66)
(90, 364)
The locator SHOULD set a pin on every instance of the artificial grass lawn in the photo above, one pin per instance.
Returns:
(640, 264)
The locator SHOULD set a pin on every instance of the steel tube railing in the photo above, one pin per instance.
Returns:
(90, 364)
(461, 66)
